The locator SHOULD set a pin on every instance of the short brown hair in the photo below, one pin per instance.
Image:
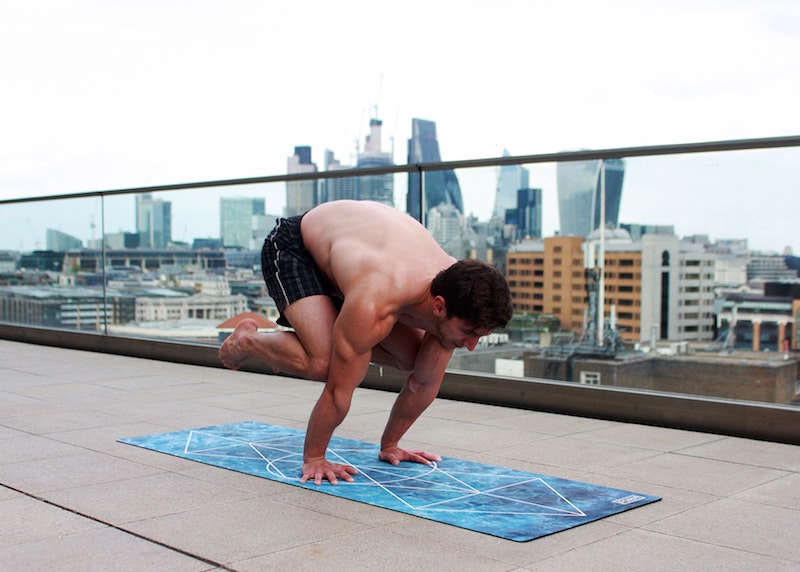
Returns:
(476, 292)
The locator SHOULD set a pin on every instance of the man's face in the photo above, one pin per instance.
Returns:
(456, 333)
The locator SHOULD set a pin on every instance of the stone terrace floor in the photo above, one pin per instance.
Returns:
(72, 498)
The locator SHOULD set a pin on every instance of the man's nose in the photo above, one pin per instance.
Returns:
(471, 342)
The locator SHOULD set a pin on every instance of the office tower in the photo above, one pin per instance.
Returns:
(337, 189)
(510, 179)
(637, 231)
(378, 188)
(579, 195)
(301, 196)
(237, 220)
(153, 221)
(445, 223)
(528, 214)
(58, 241)
(441, 187)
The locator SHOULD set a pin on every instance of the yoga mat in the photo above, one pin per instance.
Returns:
(503, 502)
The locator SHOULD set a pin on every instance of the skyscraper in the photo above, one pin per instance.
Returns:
(378, 188)
(153, 221)
(301, 196)
(61, 241)
(441, 187)
(579, 195)
(237, 218)
(528, 213)
(339, 188)
(510, 179)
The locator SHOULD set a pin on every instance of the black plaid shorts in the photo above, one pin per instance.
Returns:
(289, 271)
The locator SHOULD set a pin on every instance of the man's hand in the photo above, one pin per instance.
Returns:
(395, 455)
(323, 469)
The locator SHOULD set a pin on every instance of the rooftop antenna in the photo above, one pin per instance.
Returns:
(378, 96)
(601, 262)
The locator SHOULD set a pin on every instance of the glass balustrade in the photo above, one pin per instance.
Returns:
(690, 285)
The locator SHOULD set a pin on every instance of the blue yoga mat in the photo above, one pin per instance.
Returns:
(502, 502)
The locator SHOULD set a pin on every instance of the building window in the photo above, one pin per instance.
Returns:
(590, 377)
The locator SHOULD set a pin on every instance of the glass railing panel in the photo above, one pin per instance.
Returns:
(698, 284)
(698, 290)
(181, 264)
(40, 284)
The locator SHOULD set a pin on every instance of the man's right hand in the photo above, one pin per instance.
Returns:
(322, 469)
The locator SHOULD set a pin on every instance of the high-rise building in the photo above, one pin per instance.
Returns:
(527, 214)
(301, 196)
(441, 187)
(510, 179)
(60, 241)
(378, 188)
(677, 282)
(237, 220)
(337, 189)
(445, 223)
(579, 192)
(153, 221)
(637, 231)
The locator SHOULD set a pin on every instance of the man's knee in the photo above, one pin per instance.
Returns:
(318, 368)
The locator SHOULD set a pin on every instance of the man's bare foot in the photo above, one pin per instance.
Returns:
(232, 353)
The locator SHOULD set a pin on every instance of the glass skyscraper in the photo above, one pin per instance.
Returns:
(378, 188)
(510, 179)
(237, 217)
(579, 195)
(441, 187)
(337, 189)
(153, 221)
(528, 213)
(301, 196)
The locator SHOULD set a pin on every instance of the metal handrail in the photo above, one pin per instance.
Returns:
(563, 156)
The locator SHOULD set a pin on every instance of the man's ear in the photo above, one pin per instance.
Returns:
(439, 307)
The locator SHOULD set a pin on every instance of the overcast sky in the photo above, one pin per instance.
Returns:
(107, 94)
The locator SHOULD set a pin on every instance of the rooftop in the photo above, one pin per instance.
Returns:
(73, 498)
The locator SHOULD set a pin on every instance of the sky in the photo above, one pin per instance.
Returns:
(111, 94)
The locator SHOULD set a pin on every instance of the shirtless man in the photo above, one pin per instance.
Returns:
(362, 282)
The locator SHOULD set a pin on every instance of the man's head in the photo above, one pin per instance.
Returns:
(475, 292)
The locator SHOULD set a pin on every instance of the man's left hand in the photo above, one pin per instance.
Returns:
(395, 455)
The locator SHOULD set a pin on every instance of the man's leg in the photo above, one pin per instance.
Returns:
(399, 349)
(306, 352)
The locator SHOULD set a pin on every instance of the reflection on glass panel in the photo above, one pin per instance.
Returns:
(691, 285)
(40, 284)
(184, 264)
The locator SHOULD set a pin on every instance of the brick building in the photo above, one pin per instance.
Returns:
(657, 288)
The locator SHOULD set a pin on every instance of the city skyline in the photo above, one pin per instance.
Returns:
(173, 97)
(674, 176)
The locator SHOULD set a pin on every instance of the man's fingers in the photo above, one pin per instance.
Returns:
(396, 455)
(330, 472)
(425, 457)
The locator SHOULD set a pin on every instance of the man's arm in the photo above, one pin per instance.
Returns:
(358, 328)
(417, 394)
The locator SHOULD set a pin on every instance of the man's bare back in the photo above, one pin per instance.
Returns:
(358, 243)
